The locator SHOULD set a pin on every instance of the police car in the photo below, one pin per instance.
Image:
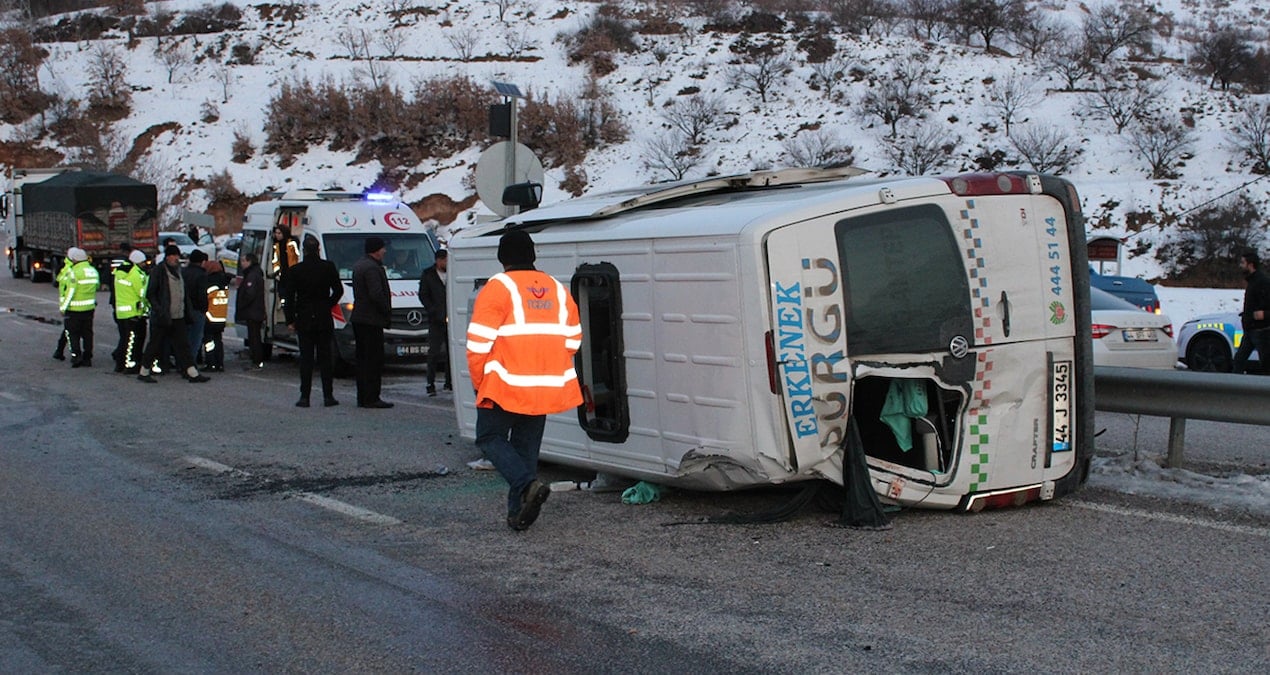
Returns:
(1208, 342)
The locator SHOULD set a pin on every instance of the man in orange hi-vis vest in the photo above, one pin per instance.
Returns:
(520, 345)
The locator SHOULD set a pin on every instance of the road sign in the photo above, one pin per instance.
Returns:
(492, 173)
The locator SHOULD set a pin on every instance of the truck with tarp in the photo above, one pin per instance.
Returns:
(47, 211)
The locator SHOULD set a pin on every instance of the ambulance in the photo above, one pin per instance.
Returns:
(735, 329)
(341, 222)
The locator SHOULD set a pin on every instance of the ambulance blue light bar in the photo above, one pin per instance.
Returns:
(380, 197)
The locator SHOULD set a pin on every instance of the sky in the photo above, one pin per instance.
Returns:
(1110, 179)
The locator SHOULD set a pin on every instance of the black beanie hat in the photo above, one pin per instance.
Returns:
(374, 244)
(197, 256)
(171, 250)
(516, 248)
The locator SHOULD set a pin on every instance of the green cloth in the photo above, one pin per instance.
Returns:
(905, 399)
(641, 493)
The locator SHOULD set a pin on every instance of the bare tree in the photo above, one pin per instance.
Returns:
(926, 149)
(1010, 95)
(1207, 240)
(107, 70)
(898, 95)
(175, 58)
(987, 18)
(1122, 106)
(391, 41)
(1115, 26)
(693, 115)
(153, 168)
(928, 18)
(501, 7)
(1037, 32)
(1047, 149)
(225, 76)
(859, 16)
(463, 40)
(828, 74)
(1071, 62)
(356, 42)
(20, 61)
(1161, 144)
(518, 41)
(817, 148)
(1222, 54)
(761, 73)
(672, 154)
(1251, 135)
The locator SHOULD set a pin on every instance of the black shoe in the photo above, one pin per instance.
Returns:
(432, 390)
(76, 363)
(59, 356)
(197, 379)
(329, 402)
(375, 404)
(147, 379)
(303, 402)
(447, 387)
(530, 505)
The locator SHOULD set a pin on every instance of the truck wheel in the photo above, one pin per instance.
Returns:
(1209, 353)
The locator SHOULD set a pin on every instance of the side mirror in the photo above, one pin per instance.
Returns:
(524, 195)
(4, 205)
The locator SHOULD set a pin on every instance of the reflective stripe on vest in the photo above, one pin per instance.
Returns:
(520, 344)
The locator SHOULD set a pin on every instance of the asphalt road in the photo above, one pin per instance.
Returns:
(216, 528)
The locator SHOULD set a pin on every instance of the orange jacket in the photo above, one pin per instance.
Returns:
(520, 344)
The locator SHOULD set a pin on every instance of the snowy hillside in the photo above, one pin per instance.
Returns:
(410, 42)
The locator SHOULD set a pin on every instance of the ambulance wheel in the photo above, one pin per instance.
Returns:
(342, 366)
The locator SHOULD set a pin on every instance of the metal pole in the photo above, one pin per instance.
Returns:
(1177, 440)
(510, 177)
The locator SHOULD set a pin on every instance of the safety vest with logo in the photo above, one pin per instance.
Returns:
(80, 294)
(130, 292)
(291, 251)
(520, 344)
(217, 304)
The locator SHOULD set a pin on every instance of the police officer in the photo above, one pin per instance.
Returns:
(130, 280)
(79, 300)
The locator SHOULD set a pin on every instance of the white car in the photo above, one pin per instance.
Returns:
(1125, 335)
(187, 245)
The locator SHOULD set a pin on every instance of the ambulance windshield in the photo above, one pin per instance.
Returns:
(406, 258)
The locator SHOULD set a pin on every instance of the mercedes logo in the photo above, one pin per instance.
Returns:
(414, 317)
(959, 346)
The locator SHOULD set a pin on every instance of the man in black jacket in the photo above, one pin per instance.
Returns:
(195, 278)
(313, 288)
(169, 307)
(372, 313)
(432, 297)
(1256, 315)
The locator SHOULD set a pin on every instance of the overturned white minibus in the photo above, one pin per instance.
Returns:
(734, 327)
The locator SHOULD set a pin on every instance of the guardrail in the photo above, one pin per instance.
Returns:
(1181, 395)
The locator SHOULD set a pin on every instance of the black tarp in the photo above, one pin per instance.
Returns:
(77, 192)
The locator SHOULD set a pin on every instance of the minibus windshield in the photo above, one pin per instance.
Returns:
(406, 258)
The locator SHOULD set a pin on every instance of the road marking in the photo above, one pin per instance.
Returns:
(1172, 518)
(343, 508)
(11, 396)
(347, 509)
(51, 301)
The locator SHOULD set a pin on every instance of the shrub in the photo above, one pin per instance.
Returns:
(595, 43)
(241, 147)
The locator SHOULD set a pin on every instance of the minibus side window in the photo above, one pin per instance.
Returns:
(601, 367)
(905, 285)
(253, 243)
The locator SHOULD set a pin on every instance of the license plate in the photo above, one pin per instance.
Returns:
(1140, 335)
(1061, 406)
(411, 350)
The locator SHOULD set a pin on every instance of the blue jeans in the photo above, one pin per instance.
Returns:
(194, 334)
(510, 441)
